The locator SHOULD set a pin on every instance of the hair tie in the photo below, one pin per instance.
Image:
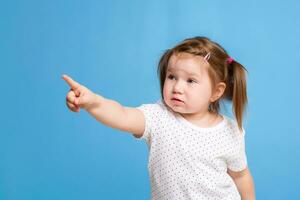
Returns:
(207, 57)
(229, 60)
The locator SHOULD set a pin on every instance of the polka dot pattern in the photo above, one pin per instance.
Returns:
(190, 162)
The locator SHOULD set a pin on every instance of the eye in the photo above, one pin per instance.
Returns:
(171, 77)
(191, 81)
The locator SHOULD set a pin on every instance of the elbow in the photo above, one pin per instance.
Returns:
(239, 174)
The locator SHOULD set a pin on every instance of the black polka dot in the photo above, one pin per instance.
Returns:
(190, 162)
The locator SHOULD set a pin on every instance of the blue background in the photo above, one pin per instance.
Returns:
(112, 47)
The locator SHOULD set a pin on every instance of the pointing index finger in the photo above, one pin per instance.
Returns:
(73, 84)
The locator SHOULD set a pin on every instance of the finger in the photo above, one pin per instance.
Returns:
(77, 93)
(73, 107)
(71, 97)
(74, 100)
(73, 84)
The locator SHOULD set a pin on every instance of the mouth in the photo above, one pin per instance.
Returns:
(176, 100)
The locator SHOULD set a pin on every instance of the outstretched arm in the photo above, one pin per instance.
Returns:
(244, 183)
(106, 111)
(113, 114)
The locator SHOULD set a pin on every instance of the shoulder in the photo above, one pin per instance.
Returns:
(155, 116)
(157, 109)
(158, 106)
(233, 128)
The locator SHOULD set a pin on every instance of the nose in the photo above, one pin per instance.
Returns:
(178, 87)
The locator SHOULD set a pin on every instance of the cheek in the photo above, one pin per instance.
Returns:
(166, 86)
(201, 94)
(165, 90)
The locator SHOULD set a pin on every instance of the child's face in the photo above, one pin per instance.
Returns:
(187, 88)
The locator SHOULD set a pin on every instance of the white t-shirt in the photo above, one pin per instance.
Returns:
(190, 162)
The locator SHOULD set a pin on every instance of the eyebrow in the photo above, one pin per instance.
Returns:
(190, 74)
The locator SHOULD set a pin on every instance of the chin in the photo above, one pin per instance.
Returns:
(176, 109)
(169, 105)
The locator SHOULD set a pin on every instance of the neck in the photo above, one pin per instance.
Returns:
(203, 119)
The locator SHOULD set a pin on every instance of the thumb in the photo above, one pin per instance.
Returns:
(76, 101)
(79, 101)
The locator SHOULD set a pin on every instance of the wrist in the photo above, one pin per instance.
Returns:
(96, 103)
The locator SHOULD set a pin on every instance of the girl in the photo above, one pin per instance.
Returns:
(194, 151)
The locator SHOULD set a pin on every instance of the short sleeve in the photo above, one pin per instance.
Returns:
(238, 161)
(153, 114)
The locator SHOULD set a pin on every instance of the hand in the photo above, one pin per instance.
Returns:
(79, 96)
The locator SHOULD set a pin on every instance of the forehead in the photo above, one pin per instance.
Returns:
(187, 63)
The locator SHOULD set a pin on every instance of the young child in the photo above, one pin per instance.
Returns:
(194, 151)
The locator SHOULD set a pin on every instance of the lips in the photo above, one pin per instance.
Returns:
(176, 99)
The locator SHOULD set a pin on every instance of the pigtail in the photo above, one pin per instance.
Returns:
(237, 90)
(222, 68)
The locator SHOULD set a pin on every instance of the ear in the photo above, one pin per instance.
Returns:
(218, 91)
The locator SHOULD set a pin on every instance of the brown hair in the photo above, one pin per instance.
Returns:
(233, 74)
